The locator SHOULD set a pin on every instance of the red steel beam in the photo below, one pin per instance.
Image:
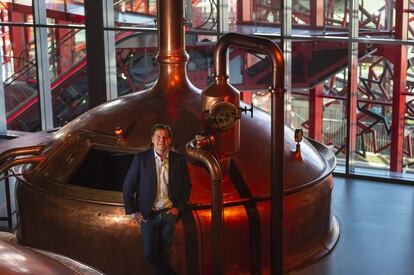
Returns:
(400, 75)
(246, 97)
(317, 14)
(18, 38)
(244, 11)
(316, 112)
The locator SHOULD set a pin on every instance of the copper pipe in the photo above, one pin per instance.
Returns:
(213, 167)
(15, 162)
(171, 34)
(254, 43)
(277, 129)
(31, 150)
(277, 137)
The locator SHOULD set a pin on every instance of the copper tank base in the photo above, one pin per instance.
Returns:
(104, 237)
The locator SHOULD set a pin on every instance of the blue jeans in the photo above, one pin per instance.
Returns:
(157, 235)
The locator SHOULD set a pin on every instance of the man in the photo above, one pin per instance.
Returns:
(156, 190)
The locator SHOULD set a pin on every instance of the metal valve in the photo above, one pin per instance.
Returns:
(203, 141)
(223, 115)
(298, 135)
(245, 110)
(298, 139)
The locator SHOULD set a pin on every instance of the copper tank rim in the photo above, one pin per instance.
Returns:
(114, 198)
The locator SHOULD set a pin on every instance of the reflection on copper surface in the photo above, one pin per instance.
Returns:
(16, 259)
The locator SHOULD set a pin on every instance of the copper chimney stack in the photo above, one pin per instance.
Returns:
(172, 56)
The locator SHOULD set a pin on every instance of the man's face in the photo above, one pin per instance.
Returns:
(161, 140)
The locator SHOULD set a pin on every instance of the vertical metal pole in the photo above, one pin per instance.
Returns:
(65, 6)
(188, 12)
(8, 201)
(218, 19)
(280, 111)
(398, 98)
(223, 24)
(217, 227)
(388, 14)
(277, 178)
(351, 122)
(42, 59)
(109, 50)
(95, 52)
(223, 16)
(3, 117)
(213, 167)
(286, 21)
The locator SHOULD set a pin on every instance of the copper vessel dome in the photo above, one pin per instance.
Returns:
(69, 201)
(17, 259)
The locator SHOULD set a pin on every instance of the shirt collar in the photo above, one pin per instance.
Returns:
(159, 158)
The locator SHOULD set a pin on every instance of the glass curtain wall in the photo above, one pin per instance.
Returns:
(135, 33)
(320, 78)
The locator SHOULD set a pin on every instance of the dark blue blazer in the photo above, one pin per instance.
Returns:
(140, 184)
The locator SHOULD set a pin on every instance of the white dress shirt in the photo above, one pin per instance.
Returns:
(161, 200)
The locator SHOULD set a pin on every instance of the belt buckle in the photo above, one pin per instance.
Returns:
(159, 211)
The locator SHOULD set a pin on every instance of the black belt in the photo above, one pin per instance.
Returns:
(159, 211)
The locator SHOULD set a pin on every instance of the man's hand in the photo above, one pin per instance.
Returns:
(173, 211)
(138, 217)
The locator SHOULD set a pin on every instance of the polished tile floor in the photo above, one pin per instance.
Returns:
(376, 230)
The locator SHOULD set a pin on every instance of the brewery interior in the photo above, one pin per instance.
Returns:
(295, 116)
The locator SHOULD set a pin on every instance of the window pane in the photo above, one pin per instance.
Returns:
(136, 65)
(265, 11)
(20, 80)
(16, 11)
(374, 110)
(233, 13)
(322, 63)
(410, 21)
(300, 112)
(66, 11)
(200, 65)
(334, 122)
(204, 15)
(301, 12)
(408, 157)
(67, 67)
(372, 14)
(336, 13)
(135, 12)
